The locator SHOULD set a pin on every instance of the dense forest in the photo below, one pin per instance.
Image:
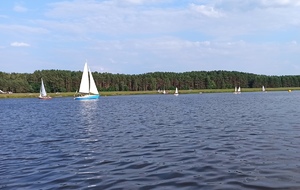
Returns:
(69, 81)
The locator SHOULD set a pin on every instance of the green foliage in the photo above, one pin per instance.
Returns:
(69, 81)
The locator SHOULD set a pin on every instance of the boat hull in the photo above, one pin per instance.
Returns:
(45, 97)
(87, 97)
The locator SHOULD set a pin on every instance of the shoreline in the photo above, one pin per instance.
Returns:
(121, 93)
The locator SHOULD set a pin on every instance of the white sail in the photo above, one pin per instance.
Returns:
(42, 90)
(93, 87)
(84, 85)
(263, 89)
(237, 90)
(176, 92)
(87, 84)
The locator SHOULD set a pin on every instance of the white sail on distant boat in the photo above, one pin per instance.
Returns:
(176, 92)
(263, 89)
(43, 93)
(87, 89)
(237, 90)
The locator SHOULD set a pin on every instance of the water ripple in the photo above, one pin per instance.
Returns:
(207, 141)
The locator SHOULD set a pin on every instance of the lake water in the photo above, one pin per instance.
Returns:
(199, 141)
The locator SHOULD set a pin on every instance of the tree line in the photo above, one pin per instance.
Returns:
(69, 81)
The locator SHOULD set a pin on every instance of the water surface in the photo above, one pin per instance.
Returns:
(200, 141)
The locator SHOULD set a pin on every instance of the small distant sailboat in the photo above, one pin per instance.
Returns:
(237, 90)
(43, 93)
(87, 89)
(164, 92)
(263, 89)
(176, 92)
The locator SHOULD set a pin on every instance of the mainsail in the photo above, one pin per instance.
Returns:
(42, 90)
(84, 85)
(87, 84)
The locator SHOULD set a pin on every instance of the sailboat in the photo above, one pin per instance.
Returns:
(87, 89)
(43, 93)
(237, 90)
(176, 92)
(263, 89)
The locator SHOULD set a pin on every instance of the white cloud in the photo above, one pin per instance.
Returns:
(281, 2)
(19, 44)
(294, 42)
(142, 2)
(23, 29)
(243, 6)
(19, 8)
(135, 1)
(177, 55)
(136, 36)
(113, 19)
(206, 10)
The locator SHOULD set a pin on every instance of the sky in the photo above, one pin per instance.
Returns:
(142, 36)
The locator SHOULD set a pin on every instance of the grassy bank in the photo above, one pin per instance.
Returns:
(118, 93)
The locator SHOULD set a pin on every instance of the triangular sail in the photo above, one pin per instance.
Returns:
(93, 87)
(87, 84)
(239, 89)
(176, 92)
(84, 85)
(263, 89)
(42, 90)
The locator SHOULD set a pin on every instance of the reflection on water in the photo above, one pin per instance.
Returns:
(207, 141)
(88, 112)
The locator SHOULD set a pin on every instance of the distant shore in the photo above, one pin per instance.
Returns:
(119, 93)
